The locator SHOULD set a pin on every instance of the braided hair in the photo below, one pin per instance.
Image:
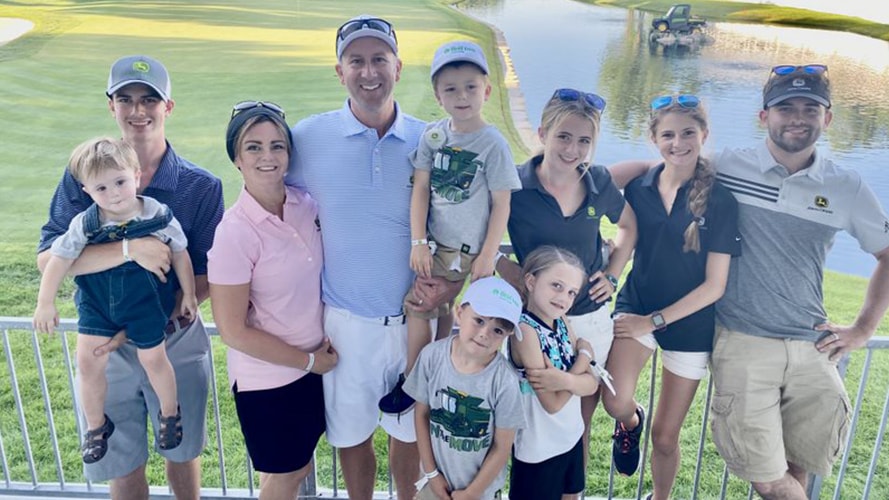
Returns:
(702, 180)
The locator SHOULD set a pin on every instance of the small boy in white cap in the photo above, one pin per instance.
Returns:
(463, 177)
(468, 401)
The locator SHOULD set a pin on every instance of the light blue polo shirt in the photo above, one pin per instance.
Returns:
(788, 223)
(362, 184)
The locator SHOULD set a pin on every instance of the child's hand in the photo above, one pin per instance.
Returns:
(549, 379)
(464, 495)
(482, 267)
(439, 487)
(189, 307)
(46, 318)
(421, 260)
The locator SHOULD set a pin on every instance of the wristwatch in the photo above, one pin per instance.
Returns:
(657, 319)
(611, 279)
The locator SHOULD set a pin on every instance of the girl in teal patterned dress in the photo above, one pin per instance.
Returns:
(547, 462)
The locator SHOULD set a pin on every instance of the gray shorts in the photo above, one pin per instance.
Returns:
(130, 402)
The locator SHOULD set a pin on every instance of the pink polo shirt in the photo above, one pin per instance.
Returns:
(281, 260)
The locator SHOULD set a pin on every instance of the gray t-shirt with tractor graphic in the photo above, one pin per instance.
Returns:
(464, 410)
(465, 169)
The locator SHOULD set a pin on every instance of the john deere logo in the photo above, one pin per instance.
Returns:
(141, 66)
(821, 202)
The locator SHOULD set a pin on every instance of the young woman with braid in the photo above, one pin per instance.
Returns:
(688, 234)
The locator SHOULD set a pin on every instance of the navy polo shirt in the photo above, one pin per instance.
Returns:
(662, 273)
(535, 219)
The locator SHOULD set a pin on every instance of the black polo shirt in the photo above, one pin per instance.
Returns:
(662, 273)
(535, 219)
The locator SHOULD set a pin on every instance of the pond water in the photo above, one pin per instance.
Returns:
(561, 43)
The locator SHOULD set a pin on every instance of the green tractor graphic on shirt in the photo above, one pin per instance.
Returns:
(461, 414)
(452, 173)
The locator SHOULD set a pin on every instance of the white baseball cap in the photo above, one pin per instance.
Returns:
(495, 298)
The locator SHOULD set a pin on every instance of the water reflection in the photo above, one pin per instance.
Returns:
(561, 43)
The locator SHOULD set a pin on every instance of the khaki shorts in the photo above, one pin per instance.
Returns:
(776, 401)
(441, 267)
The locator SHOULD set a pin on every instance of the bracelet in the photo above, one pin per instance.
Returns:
(497, 258)
(126, 250)
(311, 362)
(430, 475)
(586, 353)
(416, 243)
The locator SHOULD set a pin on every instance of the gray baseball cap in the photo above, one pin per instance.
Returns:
(365, 26)
(139, 69)
(460, 51)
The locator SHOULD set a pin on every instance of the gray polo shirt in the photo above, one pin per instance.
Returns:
(788, 223)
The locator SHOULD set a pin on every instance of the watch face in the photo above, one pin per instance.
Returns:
(658, 320)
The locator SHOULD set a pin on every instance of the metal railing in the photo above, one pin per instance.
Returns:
(38, 404)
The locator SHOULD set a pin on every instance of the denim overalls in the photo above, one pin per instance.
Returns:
(127, 296)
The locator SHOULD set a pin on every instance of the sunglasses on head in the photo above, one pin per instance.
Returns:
(245, 105)
(373, 23)
(810, 69)
(593, 100)
(684, 100)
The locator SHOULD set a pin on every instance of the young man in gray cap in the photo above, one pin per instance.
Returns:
(780, 410)
(140, 101)
(354, 162)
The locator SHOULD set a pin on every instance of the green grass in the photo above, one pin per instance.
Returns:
(220, 52)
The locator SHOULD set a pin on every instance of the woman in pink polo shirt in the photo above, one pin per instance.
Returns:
(265, 287)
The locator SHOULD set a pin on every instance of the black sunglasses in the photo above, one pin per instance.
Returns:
(373, 23)
(245, 105)
(593, 100)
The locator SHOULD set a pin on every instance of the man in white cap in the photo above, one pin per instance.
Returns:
(354, 162)
(140, 100)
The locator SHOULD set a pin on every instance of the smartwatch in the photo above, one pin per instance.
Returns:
(657, 319)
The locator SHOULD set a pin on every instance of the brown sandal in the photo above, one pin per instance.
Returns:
(169, 433)
(95, 442)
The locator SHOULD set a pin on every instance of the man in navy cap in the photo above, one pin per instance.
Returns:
(140, 100)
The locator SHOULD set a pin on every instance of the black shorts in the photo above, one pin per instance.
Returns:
(281, 426)
(548, 480)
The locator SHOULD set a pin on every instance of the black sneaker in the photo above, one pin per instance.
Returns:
(397, 401)
(625, 449)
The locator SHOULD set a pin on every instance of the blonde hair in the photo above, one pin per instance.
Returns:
(557, 110)
(545, 257)
(100, 154)
(702, 180)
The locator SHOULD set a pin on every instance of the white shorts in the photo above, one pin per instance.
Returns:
(371, 357)
(690, 365)
(597, 328)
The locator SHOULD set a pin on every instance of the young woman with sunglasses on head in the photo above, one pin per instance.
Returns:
(562, 200)
(265, 286)
(688, 233)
